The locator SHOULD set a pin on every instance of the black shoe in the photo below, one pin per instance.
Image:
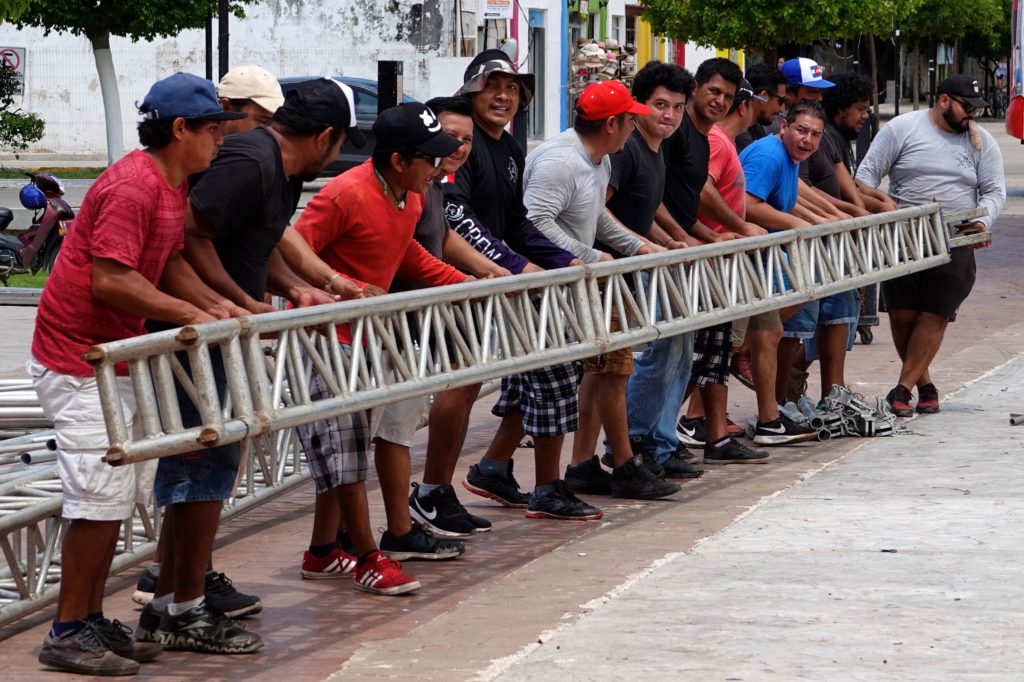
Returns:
(678, 466)
(636, 444)
(692, 431)
(561, 504)
(502, 489)
(222, 596)
(734, 452)
(782, 431)
(440, 513)
(118, 638)
(149, 624)
(146, 586)
(200, 629)
(588, 478)
(684, 454)
(85, 652)
(634, 481)
(417, 544)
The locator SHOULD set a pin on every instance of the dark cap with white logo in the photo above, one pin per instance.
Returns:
(965, 87)
(412, 127)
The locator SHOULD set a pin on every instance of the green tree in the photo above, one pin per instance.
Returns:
(99, 20)
(762, 25)
(17, 128)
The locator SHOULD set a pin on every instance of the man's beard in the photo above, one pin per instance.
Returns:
(848, 133)
(961, 126)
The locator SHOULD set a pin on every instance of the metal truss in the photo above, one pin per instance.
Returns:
(419, 343)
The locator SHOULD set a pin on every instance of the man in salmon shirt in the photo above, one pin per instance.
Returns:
(361, 224)
(128, 238)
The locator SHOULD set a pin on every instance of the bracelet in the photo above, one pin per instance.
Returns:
(327, 287)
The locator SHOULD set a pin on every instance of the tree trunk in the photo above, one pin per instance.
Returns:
(874, 72)
(111, 96)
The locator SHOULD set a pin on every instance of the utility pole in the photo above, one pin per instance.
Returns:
(222, 37)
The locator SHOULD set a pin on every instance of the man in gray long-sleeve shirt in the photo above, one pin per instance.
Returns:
(941, 155)
(565, 185)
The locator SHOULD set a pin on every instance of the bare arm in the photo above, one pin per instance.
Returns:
(712, 203)
(126, 289)
(462, 255)
(202, 256)
(848, 186)
(181, 281)
(668, 224)
(300, 258)
(763, 213)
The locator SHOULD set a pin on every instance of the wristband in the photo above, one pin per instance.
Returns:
(327, 287)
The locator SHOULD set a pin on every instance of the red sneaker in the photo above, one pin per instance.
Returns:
(381, 575)
(734, 429)
(927, 399)
(899, 401)
(740, 368)
(337, 564)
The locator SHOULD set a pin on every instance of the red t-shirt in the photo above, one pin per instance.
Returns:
(726, 172)
(130, 215)
(359, 232)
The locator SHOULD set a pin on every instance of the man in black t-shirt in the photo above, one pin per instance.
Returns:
(768, 82)
(236, 215)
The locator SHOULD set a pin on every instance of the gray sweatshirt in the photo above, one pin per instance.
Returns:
(564, 195)
(925, 164)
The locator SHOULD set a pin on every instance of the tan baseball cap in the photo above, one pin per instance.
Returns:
(252, 82)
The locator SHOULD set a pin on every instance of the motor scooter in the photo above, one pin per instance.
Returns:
(37, 247)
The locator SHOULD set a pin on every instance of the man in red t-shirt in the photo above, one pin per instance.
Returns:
(361, 225)
(127, 238)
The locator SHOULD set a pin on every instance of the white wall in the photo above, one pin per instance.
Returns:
(287, 37)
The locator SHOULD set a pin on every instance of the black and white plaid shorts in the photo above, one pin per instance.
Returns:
(546, 397)
(337, 449)
(712, 347)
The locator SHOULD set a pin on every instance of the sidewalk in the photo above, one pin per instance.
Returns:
(901, 561)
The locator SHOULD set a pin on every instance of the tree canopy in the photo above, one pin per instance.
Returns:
(134, 19)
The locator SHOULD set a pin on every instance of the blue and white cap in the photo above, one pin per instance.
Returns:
(803, 71)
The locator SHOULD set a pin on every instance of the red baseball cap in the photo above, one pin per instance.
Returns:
(606, 99)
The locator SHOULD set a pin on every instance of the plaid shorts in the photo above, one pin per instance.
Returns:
(546, 397)
(337, 449)
(712, 347)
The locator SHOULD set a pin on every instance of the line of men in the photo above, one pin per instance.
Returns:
(195, 227)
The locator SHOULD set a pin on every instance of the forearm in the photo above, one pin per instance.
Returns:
(462, 255)
(180, 281)
(126, 289)
(806, 211)
(560, 238)
(712, 204)
(663, 218)
(202, 257)
(762, 213)
(704, 233)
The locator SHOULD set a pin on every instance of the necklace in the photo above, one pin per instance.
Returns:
(385, 187)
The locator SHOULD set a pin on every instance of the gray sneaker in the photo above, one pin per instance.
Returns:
(118, 638)
(84, 652)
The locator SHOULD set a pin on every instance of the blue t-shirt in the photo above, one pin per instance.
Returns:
(771, 175)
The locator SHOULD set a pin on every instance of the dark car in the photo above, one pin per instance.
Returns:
(365, 93)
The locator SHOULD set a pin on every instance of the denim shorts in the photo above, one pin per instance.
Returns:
(206, 475)
(840, 308)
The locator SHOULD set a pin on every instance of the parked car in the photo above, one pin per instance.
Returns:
(365, 93)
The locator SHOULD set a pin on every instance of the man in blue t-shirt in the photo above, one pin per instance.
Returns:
(772, 169)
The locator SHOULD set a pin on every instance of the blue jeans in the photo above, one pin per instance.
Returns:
(656, 391)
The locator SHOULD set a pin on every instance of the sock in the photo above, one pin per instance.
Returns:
(720, 443)
(366, 556)
(154, 569)
(775, 422)
(177, 608)
(542, 490)
(491, 467)
(161, 603)
(323, 551)
(94, 616)
(65, 628)
(426, 488)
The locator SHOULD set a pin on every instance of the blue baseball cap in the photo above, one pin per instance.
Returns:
(806, 72)
(184, 95)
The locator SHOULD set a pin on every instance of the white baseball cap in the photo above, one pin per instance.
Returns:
(252, 82)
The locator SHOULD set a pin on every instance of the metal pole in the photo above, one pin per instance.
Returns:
(222, 37)
(209, 46)
(898, 75)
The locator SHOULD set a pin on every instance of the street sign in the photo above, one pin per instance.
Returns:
(15, 58)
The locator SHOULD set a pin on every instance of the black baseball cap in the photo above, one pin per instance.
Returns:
(965, 87)
(412, 127)
(326, 101)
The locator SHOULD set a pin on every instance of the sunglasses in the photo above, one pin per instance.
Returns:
(434, 160)
(968, 108)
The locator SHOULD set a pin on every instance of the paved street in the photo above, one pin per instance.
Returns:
(750, 573)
